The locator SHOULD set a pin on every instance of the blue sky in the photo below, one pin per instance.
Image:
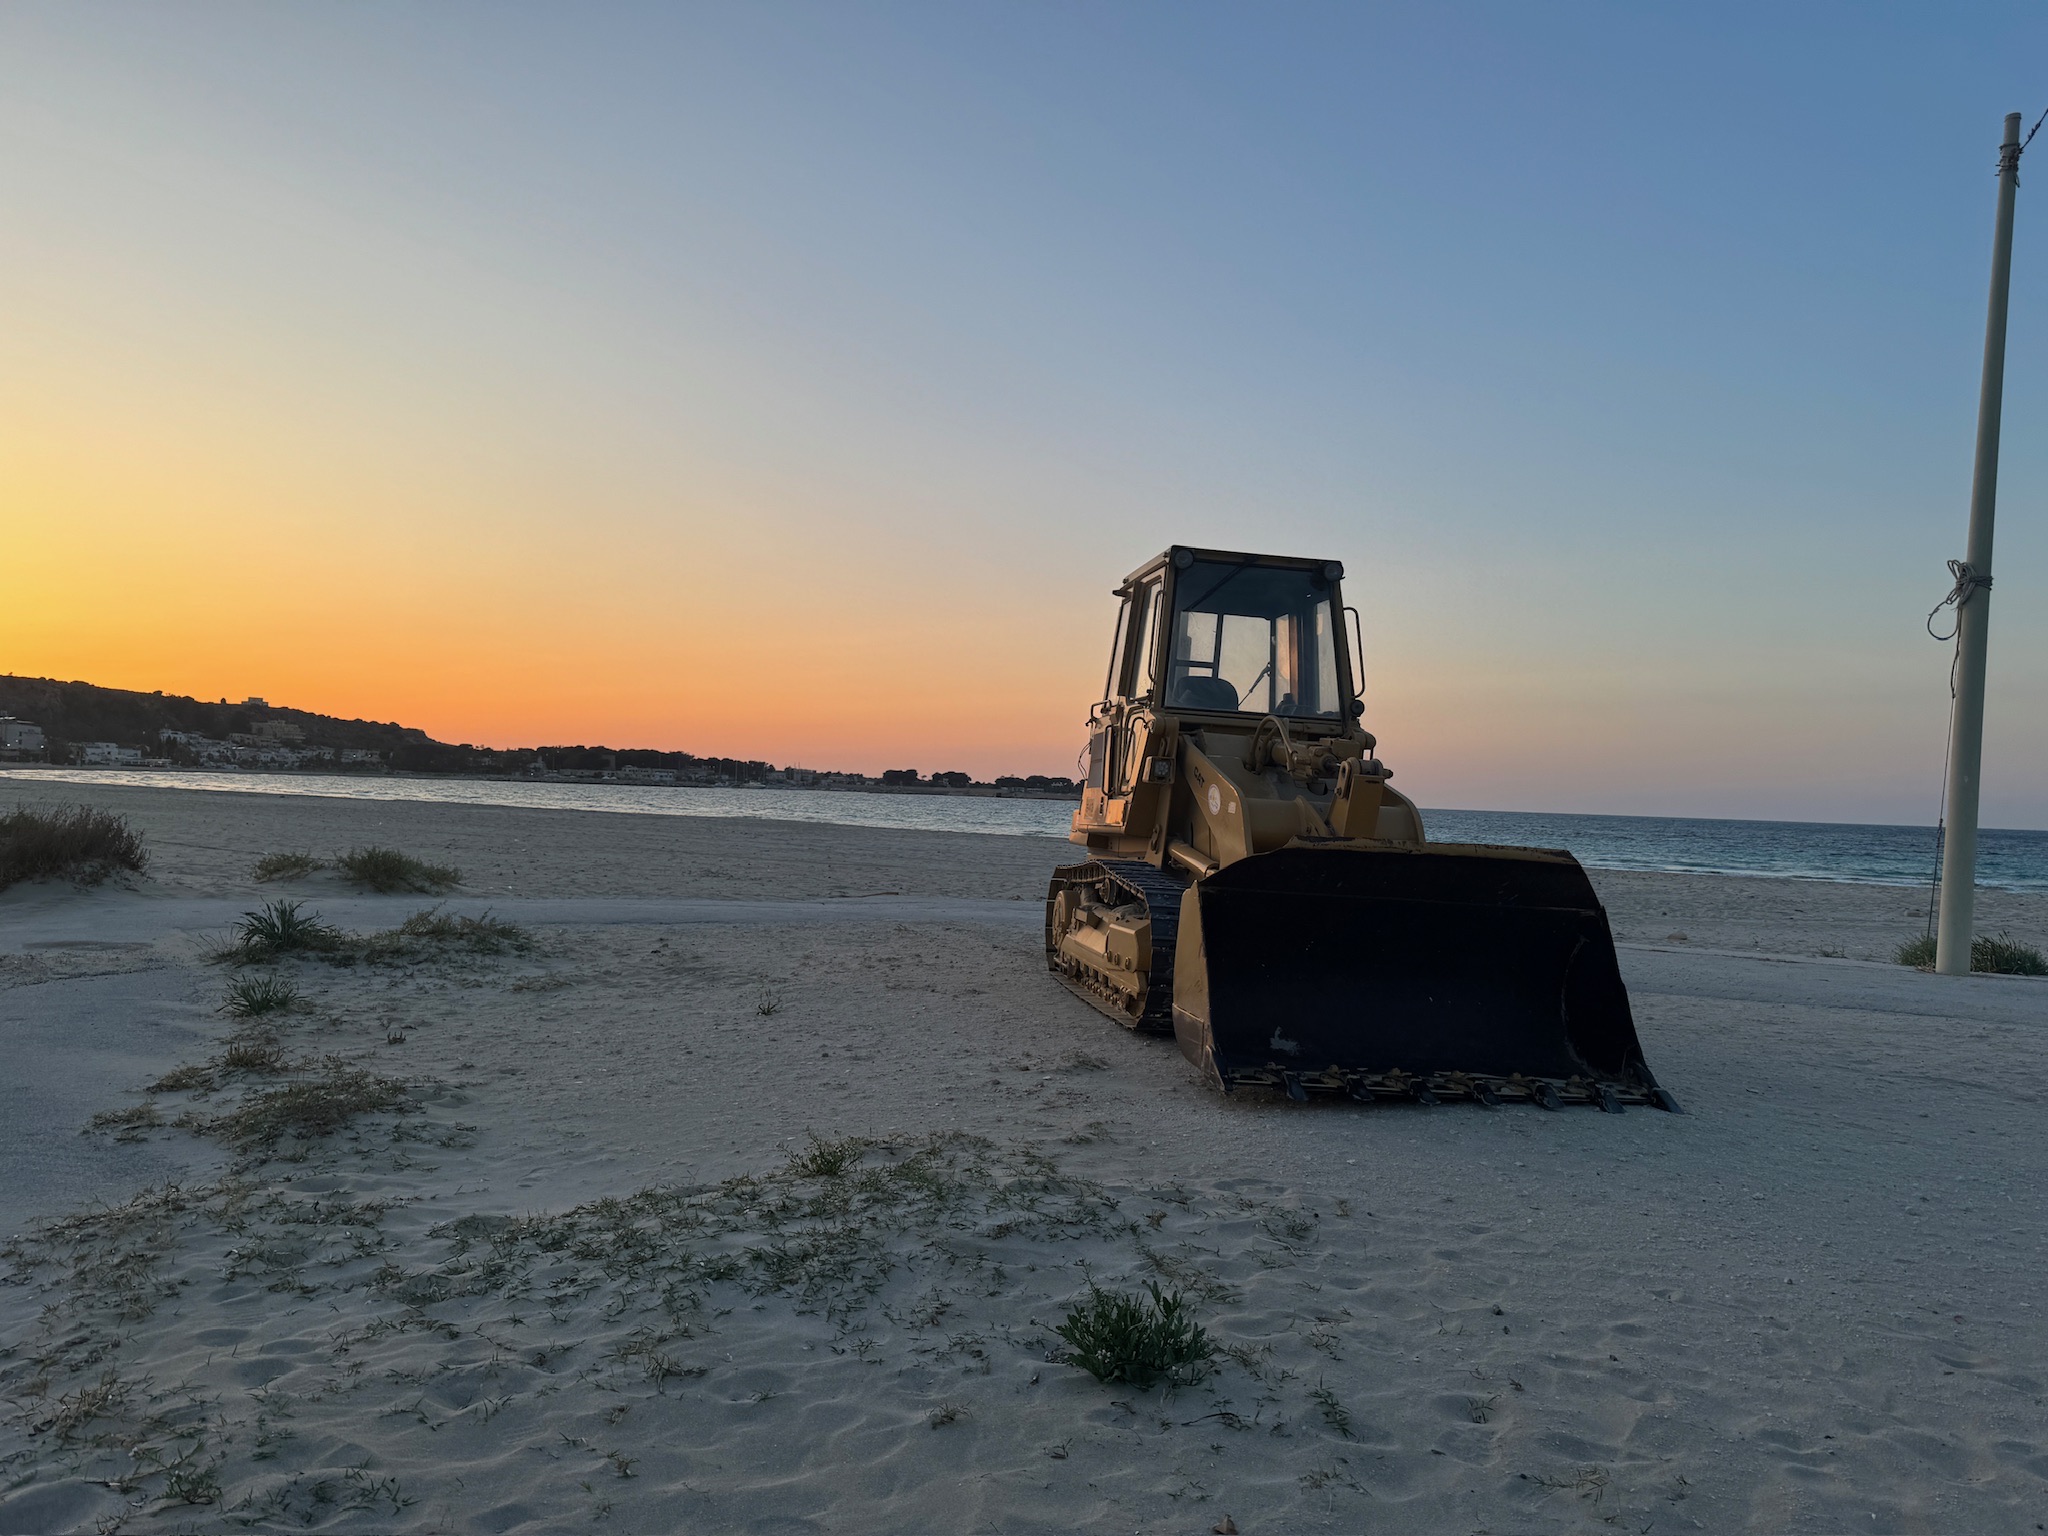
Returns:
(1627, 356)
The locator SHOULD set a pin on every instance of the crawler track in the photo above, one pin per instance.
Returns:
(1119, 882)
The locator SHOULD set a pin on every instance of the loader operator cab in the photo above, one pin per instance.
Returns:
(1242, 637)
(1254, 639)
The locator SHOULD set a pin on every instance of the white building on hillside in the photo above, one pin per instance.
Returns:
(106, 754)
(20, 738)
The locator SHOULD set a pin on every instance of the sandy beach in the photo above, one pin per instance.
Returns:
(743, 1197)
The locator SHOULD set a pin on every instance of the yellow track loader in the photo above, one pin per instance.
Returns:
(1257, 887)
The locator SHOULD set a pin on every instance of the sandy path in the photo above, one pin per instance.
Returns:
(1811, 1303)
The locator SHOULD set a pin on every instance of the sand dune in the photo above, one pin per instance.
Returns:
(585, 1269)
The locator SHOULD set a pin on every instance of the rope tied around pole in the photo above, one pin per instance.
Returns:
(1968, 584)
(2009, 155)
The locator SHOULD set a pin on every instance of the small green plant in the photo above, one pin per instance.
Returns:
(286, 866)
(386, 870)
(826, 1159)
(2002, 955)
(193, 1485)
(1335, 1414)
(1142, 1339)
(278, 928)
(77, 842)
(251, 997)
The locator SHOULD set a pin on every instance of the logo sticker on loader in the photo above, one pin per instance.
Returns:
(1215, 800)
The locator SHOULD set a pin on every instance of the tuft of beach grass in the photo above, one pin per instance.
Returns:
(388, 872)
(277, 929)
(251, 997)
(75, 842)
(286, 866)
(827, 1159)
(1998, 955)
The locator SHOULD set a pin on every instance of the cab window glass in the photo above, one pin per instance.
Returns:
(1253, 639)
(1119, 648)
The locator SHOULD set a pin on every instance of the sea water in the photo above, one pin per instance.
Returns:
(1805, 850)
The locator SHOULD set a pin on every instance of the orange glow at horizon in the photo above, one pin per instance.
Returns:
(232, 563)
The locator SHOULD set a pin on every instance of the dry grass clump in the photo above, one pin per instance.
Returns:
(249, 1056)
(2000, 955)
(388, 871)
(102, 1399)
(310, 1107)
(286, 866)
(486, 935)
(78, 842)
(193, 1077)
(254, 1056)
(127, 1124)
(278, 929)
(426, 935)
(1141, 1339)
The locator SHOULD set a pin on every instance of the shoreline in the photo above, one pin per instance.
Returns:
(673, 801)
(209, 843)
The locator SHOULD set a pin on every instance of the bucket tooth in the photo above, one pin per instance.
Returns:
(1486, 1096)
(1664, 1100)
(1295, 1091)
(1608, 1102)
(1546, 1095)
(1422, 1093)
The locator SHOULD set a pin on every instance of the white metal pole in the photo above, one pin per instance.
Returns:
(1973, 604)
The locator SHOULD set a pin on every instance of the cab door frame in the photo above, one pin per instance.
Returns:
(1115, 755)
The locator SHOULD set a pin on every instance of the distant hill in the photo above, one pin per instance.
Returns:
(256, 734)
(75, 712)
(71, 713)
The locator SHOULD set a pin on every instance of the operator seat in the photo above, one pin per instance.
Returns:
(1191, 692)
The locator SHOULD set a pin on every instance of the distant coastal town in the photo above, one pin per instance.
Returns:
(44, 721)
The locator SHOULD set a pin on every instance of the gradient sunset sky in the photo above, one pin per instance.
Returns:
(794, 381)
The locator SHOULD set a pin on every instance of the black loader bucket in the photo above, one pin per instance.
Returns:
(1441, 971)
